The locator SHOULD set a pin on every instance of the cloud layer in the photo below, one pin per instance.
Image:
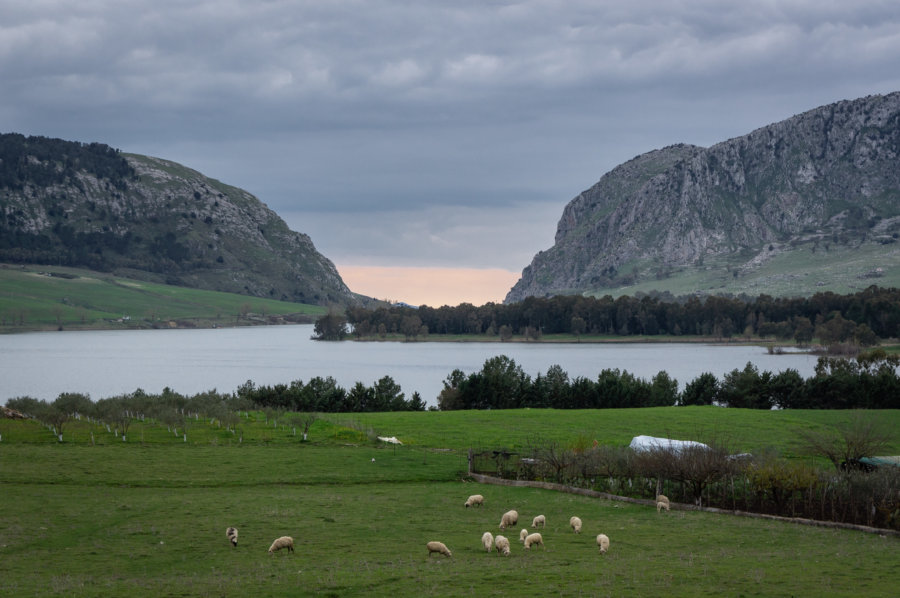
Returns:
(428, 133)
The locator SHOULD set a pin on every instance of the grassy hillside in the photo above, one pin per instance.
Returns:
(90, 206)
(149, 517)
(49, 297)
(801, 271)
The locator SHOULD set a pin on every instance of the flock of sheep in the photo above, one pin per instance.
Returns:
(511, 519)
(488, 540)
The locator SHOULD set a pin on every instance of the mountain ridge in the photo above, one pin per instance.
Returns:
(826, 180)
(149, 218)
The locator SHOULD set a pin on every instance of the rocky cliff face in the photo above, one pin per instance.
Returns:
(153, 219)
(829, 176)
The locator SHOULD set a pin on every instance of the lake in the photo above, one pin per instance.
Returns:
(109, 363)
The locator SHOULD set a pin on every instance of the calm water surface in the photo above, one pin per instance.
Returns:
(108, 363)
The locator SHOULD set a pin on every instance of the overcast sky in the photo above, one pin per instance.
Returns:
(428, 134)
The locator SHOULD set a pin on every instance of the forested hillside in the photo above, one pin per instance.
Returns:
(89, 205)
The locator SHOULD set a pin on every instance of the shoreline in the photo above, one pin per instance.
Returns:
(253, 320)
(170, 324)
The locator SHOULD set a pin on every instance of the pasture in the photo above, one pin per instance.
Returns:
(149, 518)
(56, 297)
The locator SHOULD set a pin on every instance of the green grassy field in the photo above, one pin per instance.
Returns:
(798, 271)
(148, 517)
(744, 430)
(49, 297)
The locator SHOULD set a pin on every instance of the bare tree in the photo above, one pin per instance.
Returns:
(308, 419)
(697, 467)
(863, 436)
(304, 421)
(554, 457)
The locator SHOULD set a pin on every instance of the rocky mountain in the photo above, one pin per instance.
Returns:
(91, 206)
(787, 202)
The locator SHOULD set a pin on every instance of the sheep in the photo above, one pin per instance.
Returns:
(475, 499)
(282, 542)
(502, 544)
(509, 519)
(232, 534)
(575, 523)
(662, 502)
(603, 543)
(534, 538)
(438, 547)
(523, 534)
(539, 521)
(487, 540)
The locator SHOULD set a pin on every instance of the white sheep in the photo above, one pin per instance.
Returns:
(509, 519)
(502, 544)
(487, 540)
(282, 542)
(539, 521)
(232, 534)
(603, 543)
(662, 502)
(438, 547)
(532, 539)
(523, 534)
(575, 524)
(475, 499)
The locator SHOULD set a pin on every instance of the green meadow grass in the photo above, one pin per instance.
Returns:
(743, 430)
(148, 518)
(76, 298)
(800, 271)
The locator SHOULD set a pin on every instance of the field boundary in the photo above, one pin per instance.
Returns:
(486, 479)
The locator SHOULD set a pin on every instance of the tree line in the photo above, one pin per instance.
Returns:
(861, 318)
(45, 161)
(325, 395)
(870, 381)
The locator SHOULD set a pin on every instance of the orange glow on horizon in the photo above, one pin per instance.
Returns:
(430, 286)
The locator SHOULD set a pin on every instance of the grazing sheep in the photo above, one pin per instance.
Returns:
(439, 547)
(575, 523)
(502, 544)
(231, 534)
(539, 521)
(509, 519)
(282, 542)
(475, 499)
(534, 538)
(662, 502)
(603, 543)
(523, 534)
(487, 540)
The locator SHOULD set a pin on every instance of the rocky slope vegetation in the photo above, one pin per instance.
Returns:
(91, 206)
(823, 183)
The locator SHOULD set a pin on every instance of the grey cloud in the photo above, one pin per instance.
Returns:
(439, 236)
(424, 110)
